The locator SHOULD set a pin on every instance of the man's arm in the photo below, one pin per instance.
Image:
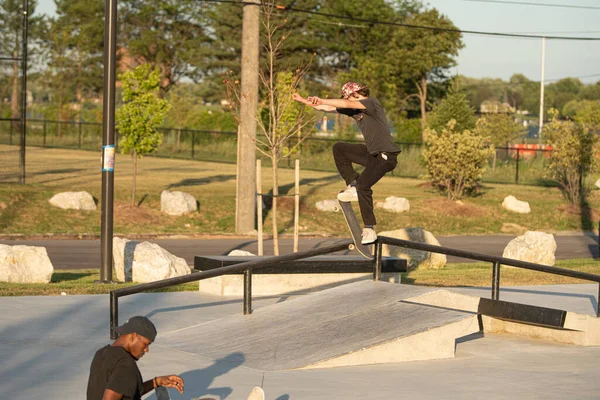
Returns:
(111, 395)
(337, 103)
(321, 107)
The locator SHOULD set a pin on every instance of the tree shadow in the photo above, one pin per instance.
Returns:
(201, 181)
(284, 191)
(58, 277)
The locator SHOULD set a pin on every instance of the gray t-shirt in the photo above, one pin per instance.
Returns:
(372, 123)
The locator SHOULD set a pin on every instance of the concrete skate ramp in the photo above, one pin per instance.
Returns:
(360, 323)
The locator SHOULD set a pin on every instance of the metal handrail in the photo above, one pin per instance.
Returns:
(495, 260)
(246, 268)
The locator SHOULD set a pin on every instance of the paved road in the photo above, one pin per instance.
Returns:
(85, 254)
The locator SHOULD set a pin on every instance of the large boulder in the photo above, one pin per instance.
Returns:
(535, 247)
(512, 204)
(394, 204)
(73, 201)
(145, 262)
(177, 203)
(25, 264)
(416, 259)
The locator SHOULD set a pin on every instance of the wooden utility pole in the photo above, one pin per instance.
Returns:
(246, 157)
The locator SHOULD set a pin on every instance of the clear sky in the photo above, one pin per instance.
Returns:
(499, 57)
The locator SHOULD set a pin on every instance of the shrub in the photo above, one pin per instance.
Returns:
(456, 160)
(574, 155)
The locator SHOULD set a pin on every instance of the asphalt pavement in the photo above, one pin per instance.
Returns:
(85, 254)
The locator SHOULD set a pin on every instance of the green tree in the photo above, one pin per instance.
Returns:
(168, 34)
(454, 107)
(11, 28)
(559, 93)
(80, 23)
(500, 128)
(279, 117)
(456, 160)
(574, 155)
(426, 54)
(141, 114)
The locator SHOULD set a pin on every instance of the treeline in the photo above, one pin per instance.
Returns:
(194, 43)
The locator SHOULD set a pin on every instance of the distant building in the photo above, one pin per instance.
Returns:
(495, 107)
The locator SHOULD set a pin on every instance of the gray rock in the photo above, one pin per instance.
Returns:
(512, 204)
(237, 252)
(394, 204)
(416, 259)
(535, 247)
(73, 201)
(25, 264)
(145, 262)
(177, 203)
(327, 205)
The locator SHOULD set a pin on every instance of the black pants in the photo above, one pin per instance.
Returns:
(344, 154)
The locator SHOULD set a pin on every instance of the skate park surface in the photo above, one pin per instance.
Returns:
(47, 344)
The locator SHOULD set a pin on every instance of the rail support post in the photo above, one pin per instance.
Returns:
(248, 291)
(496, 281)
(377, 261)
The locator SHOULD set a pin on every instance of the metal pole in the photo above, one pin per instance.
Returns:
(114, 314)
(44, 133)
(496, 281)
(542, 87)
(517, 175)
(248, 291)
(108, 139)
(193, 141)
(24, 88)
(297, 206)
(377, 261)
(80, 133)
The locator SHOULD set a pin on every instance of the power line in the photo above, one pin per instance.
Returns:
(399, 24)
(525, 3)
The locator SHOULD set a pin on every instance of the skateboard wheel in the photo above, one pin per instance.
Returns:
(351, 246)
(336, 209)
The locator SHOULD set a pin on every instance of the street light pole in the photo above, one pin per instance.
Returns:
(108, 140)
(542, 87)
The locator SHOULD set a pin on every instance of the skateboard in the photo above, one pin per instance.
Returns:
(355, 230)
(256, 394)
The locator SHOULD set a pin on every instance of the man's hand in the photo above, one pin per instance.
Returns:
(173, 381)
(299, 99)
(315, 101)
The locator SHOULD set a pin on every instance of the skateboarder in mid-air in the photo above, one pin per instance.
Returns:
(378, 154)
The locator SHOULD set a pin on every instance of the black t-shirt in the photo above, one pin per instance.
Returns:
(372, 123)
(115, 369)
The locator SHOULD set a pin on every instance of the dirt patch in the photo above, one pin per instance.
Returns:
(285, 203)
(573, 209)
(130, 215)
(449, 207)
(508, 227)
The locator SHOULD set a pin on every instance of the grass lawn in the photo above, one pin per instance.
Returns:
(74, 282)
(25, 209)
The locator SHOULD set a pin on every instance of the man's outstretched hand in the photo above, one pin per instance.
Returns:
(172, 381)
(299, 99)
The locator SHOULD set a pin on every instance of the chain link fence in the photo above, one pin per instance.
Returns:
(10, 119)
(522, 164)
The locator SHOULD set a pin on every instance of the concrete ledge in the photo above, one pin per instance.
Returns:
(578, 329)
(279, 284)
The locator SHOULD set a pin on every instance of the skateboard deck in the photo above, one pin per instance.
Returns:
(256, 394)
(355, 229)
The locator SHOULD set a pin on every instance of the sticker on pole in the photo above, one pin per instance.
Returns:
(108, 158)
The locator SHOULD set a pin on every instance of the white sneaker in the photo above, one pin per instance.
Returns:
(368, 236)
(348, 195)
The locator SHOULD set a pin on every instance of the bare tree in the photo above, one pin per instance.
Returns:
(282, 123)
